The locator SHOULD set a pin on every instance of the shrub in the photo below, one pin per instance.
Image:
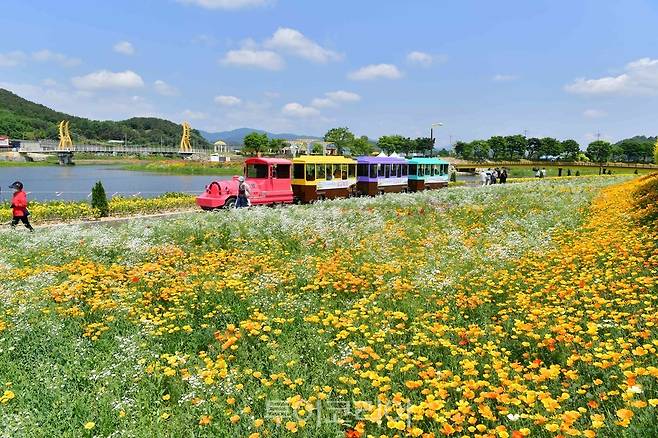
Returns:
(99, 200)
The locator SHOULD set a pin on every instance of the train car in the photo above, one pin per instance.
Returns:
(323, 177)
(381, 174)
(268, 179)
(427, 174)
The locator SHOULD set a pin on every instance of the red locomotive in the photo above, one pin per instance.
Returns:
(268, 180)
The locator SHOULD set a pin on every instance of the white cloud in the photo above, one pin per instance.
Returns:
(422, 58)
(334, 98)
(225, 4)
(12, 59)
(323, 102)
(264, 59)
(104, 79)
(124, 47)
(164, 89)
(59, 58)
(294, 42)
(594, 113)
(227, 100)
(343, 96)
(375, 71)
(640, 78)
(295, 109)
(504, 78)
(194, 115)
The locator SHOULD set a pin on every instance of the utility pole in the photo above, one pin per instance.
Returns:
(525, 133)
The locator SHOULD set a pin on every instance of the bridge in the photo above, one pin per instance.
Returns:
(65, 148)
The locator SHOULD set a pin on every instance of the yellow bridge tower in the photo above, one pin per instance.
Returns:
(65, 142)
(185, 145)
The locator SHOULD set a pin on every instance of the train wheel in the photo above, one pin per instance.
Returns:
(230, 203)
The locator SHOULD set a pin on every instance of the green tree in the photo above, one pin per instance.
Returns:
(655, 152)
(394, 143)
(317, 149)
(515, 146)
(276, 145)
(361, 146)
(570, 149)
(255, 143)
(424, 145)
(534, 148)
(599, 151)
(99, 200)
(341, 137)
(464, 150)
(498, 147)
(481, 149)
(550, 147)
(444, 152)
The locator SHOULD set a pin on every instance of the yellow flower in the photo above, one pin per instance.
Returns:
(234, 418)
(291, 426)
(205, 420)
(7, 396)
(165, 415)
(166, 397)
(90, 425)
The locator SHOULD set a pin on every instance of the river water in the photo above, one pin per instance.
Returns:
(74, 183)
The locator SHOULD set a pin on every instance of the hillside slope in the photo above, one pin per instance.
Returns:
(236, 136)
(23, 119)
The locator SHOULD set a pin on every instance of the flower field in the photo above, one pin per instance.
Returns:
(514, 310)
(51, 211)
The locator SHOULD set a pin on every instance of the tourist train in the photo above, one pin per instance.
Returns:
(309, 178)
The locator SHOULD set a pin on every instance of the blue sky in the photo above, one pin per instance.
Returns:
(559, 68)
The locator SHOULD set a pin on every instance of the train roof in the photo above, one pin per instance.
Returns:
(427, 160)
(323, 159)
(383, 160)
(261, 160)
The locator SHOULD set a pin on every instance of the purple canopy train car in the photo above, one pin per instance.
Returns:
(381, 174)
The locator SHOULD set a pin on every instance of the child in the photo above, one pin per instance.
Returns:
(19, 206)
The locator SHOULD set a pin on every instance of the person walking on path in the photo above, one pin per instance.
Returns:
(503, 176)
(19, 209)
(243, 194)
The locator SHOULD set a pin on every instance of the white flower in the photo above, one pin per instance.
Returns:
(635, 389)
(513, 417)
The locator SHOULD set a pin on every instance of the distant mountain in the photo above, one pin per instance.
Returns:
(22, 119)
(235, 137)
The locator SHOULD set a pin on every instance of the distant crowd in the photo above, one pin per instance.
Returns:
(493, 176)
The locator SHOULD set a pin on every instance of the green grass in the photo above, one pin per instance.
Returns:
(181, 167)
(526, 171)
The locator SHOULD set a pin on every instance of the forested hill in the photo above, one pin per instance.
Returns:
(22, 119)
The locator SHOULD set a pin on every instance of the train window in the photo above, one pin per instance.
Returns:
(344, 171)
(257, 171)
(444, 169)
(320, 171)
(337, 173)
(373, 171)
(405, 169)
(395, 168)
(282, 171)
(413, 169)
(352, 170)
(310, 172)
(387, 171)
(362, 170)
(298, 171)
(380, 171)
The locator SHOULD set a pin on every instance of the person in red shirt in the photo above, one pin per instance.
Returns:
(19, 206)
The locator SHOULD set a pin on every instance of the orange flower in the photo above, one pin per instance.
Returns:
(352, 433)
